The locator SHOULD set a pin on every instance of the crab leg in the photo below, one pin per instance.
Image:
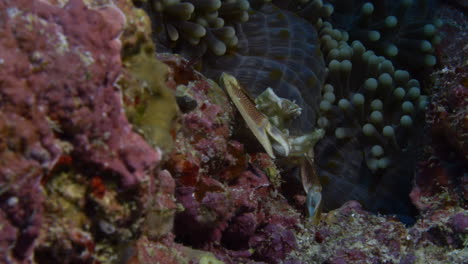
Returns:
(312, 186)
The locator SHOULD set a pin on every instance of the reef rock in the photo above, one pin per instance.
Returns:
(231, 206)
(441, 180)
(68, 153)
(352, 235)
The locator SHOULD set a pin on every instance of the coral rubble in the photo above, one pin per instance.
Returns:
(352, 235)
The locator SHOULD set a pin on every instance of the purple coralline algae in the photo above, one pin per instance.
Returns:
(69, 155)
(230, 206)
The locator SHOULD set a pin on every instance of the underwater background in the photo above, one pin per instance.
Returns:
(233, 131)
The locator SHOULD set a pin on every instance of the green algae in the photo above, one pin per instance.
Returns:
(202, 256)
(149, 104)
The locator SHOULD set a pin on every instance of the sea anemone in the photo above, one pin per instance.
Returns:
(198, 26)
(371, 113)
(352, 79)
(398, 30)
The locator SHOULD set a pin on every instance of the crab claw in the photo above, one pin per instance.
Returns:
(257, 122)
(264, 131)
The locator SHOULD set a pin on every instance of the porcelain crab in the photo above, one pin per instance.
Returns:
(270, 131)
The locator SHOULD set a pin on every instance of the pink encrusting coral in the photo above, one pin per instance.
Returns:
(58, 65)
(230, 205)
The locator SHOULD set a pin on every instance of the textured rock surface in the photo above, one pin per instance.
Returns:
(351, 235)
(71, 165)
(230, 206)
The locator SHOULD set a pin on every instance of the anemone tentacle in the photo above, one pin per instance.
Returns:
(352, 78)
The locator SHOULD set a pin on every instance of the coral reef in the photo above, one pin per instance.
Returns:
(371, 116)
(231, 206)
(76, 181)
(52, 112)
(111, 152)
